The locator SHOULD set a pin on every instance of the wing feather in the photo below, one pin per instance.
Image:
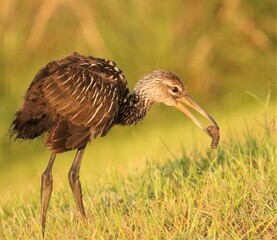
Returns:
(86, 91)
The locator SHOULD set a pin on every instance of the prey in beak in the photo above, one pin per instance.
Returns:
(212, 130)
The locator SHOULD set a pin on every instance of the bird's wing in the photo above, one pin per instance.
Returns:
(86, 91)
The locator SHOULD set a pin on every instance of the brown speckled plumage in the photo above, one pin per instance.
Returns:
(77, 98)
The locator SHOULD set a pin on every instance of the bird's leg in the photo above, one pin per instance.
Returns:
(74, 181)
(46, 190)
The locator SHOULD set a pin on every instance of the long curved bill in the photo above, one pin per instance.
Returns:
(188, 101)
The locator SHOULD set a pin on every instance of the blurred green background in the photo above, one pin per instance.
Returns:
(225, 51)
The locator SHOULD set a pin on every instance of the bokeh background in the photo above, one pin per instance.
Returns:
(225, 51)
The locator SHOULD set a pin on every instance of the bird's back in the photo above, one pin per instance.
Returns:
(73, 99)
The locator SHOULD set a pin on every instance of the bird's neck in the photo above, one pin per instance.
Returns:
(134, 108)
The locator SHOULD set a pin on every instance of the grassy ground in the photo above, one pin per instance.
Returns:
(229, 193)
(185, 191)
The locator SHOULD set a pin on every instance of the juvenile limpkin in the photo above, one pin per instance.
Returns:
(77, 98)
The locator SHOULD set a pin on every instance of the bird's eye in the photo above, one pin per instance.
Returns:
(174, 89)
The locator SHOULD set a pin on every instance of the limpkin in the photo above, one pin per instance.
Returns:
(77, 98)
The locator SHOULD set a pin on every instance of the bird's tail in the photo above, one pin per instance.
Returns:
(26, 127)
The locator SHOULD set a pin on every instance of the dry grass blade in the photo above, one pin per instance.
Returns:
(47, 9)
(82, 12)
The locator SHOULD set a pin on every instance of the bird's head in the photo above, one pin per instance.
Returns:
(166, 87)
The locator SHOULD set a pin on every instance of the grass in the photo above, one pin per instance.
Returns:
(229, 193)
